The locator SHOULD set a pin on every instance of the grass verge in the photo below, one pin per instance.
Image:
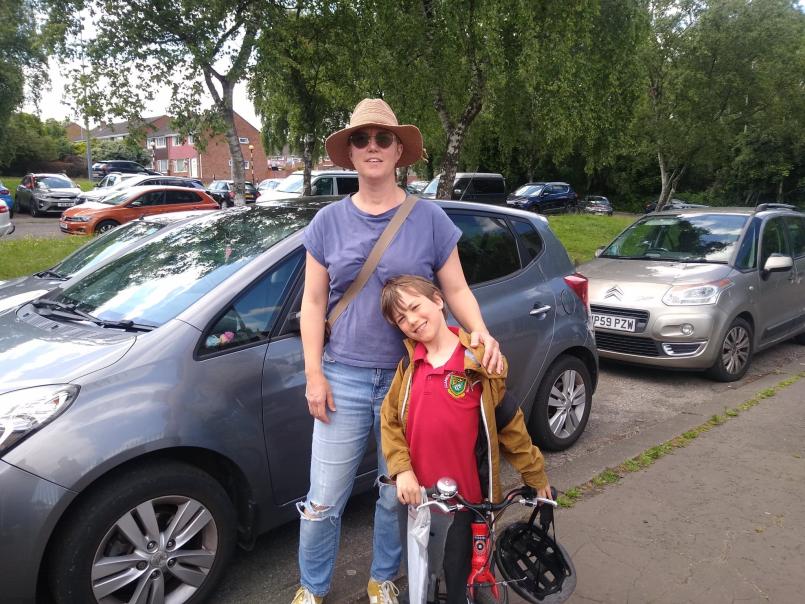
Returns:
(32, 254)
(582, 234)
(649, 456)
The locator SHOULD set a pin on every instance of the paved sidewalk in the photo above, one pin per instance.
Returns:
(721, 520)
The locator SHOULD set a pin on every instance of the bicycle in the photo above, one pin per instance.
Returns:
(534, 564)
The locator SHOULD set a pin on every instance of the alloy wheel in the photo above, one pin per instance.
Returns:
(159, 552)
(735, 349)
(566, 403)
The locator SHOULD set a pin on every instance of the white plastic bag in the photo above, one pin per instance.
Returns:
(417, 544)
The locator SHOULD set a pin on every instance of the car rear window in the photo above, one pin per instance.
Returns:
(487, 248)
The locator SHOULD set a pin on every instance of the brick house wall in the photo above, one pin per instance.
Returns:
(215, 161)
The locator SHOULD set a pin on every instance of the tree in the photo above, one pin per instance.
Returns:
(142, 46)
(21, 60)
(709, 68)
(300, 76)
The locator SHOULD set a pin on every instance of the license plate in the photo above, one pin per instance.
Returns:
(614, 322)
(63, 204)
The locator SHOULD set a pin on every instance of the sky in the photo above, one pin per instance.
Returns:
(53, 104)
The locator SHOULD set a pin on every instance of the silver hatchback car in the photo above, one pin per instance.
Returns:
(152, 411)
(701, 288)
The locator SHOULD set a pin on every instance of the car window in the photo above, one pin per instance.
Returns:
(488, 186)
(251, 317)
(532, 242)
(56, 182)
(323, 186)
(178, 197)
(463, 186)
(26, 181)
(773, 240)
(487, 248)
(796, 235)
(152, 198)
(347, 185)
(747, 254)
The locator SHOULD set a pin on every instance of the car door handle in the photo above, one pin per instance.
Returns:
(539, 310)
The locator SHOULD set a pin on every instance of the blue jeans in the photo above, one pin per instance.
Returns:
(338, 448)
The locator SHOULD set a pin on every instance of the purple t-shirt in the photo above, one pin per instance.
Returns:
(340, 238)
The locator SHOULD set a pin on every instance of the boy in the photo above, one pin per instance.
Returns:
(445, 415)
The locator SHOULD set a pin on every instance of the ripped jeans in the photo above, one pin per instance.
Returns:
(338, 448)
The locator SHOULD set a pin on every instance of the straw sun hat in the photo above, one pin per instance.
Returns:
(374, 113)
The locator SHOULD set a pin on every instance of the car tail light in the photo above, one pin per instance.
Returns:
(579, 284)
(231, 195)
(3, 191)
(3, 208)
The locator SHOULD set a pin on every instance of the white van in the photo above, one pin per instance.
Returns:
(322, 182)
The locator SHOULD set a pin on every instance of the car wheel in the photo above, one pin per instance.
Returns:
(32, 209)
(562, 405)
(160, 533)
(734, 352)
(105, 225)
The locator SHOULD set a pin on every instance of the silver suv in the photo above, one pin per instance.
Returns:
(701, 288)
(322, 182)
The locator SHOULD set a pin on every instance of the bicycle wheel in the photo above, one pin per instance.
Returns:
(485, 595)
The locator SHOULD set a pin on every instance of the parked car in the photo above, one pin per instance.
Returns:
(102, 168)
(674, 204)
(223, 191)
(6, 226)
(322, 182)
(481, 187)
(98, 250)
(40, 194)
(5, 198)
(152, 414)
(142, 180)
(701, 289)
(130, 204)
(111, 179)
(416, 186)
(268, 184)
(596, 204)
(545, 198)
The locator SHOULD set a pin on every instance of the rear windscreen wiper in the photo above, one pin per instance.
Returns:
(50, 273)
(71, 312)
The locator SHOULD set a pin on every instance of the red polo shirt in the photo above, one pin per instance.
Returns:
(443, 421)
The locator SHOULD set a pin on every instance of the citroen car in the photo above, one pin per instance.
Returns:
(701, 288)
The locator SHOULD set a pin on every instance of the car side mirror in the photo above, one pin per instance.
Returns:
(778, 263)
(599, 251)
(135, 204)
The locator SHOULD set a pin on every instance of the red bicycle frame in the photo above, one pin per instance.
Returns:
(480, 571)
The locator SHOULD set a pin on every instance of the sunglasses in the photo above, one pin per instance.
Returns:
(383, 139)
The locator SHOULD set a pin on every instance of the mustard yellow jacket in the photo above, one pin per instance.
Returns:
(502, 424)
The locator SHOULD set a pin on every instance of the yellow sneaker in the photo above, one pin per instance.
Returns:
(382, 593)
(303, 596)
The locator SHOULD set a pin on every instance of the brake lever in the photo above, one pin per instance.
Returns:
(447, 509)
(535, 501)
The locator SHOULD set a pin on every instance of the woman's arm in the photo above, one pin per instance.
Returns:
(314, 310)
(465, 309)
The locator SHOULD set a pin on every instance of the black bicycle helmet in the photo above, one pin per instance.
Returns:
(534, 564)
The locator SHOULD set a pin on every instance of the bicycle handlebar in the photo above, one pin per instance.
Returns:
(439, 498)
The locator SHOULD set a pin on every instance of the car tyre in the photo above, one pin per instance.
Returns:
(33, 210)
(182, 521)
(105, 225)
(734, 352)
(562, 405)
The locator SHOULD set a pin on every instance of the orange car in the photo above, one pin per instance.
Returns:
(100, 216)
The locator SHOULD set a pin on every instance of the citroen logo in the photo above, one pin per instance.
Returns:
(614, 292)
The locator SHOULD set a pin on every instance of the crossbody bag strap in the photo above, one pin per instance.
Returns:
(374, 257)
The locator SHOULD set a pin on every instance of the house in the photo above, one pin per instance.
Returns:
(173, 154)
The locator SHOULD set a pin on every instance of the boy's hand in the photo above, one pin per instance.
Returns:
(408, 490)
(545, 492)
(493, 360)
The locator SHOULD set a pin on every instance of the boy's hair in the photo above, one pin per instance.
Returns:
(390, 302)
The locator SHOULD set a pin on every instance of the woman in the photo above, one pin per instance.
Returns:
(348, 378)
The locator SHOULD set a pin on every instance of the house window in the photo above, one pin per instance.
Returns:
(243, 140)
(190, 140)
(180, 165)
(148, 142)
(160, 142)
(175, 140)
(162, 165)
(245, 164)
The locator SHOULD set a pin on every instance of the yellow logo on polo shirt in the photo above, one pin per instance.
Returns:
(456, 385)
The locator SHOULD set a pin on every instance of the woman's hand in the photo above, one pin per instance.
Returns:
(493, 360)
(408, 491)
(319, 397)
